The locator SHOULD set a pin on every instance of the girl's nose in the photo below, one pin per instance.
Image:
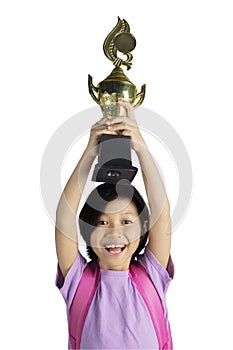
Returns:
(115, 231)
(115, 224)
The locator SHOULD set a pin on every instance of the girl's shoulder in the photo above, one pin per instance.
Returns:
(160, 276)
(68, 285)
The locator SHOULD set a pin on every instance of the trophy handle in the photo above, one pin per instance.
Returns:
(93, 89)
(140, 96)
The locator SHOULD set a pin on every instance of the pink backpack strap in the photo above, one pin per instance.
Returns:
(81, 303)
(153, 302)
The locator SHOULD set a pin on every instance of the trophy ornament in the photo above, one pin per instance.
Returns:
(120, 39)
(117, 85)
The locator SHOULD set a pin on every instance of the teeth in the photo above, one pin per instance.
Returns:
(114, 246)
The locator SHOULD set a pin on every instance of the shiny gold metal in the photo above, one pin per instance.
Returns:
(117, 85)
(120, 39)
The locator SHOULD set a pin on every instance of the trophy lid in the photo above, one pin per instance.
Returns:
(118, 85)
(117, 74)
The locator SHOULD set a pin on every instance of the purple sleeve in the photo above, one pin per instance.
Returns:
(68, 285)
(160, 276)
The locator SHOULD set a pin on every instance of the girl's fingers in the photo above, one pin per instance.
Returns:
(99, 127)
(127, 133)
(121, 126)
(128, 107)
(113, 126)
(105, 131)
(102, 121)
(122, 120)
(102, 129)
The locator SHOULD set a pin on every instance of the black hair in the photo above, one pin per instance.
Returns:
(95, 205)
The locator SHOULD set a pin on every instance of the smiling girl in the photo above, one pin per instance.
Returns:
(117, 225)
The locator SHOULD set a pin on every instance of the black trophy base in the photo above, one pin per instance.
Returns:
(112, 174)
(114, 160)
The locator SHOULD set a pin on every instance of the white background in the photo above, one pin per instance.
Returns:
(184, 55)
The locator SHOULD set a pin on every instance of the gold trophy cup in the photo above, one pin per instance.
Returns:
(114, 160)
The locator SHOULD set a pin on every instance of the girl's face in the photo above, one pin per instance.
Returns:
(117, 235)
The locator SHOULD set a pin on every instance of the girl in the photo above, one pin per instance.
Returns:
(116, 225)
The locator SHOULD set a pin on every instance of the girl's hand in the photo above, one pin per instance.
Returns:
(127, 126)
(99, 128)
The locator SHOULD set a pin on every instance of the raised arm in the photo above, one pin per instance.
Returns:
(65, 228)
(160, 224)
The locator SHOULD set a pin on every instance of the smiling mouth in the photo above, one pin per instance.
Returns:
(115, 248)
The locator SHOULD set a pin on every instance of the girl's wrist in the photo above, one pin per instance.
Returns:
(89, 154)
(141, 148)
(91, 150)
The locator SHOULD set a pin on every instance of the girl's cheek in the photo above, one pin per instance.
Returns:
(93, 239)
(96, 237)
(132, 235)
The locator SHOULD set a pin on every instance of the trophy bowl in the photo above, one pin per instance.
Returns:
(116, 86)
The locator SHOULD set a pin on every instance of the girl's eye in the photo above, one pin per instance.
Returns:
(126, 222)
(102, 222)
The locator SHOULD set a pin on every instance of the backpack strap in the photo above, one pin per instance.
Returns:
(153, 302)
(78, 310)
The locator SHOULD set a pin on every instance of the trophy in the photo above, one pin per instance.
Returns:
(114, 158)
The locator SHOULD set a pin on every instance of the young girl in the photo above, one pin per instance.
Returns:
(116, 225)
